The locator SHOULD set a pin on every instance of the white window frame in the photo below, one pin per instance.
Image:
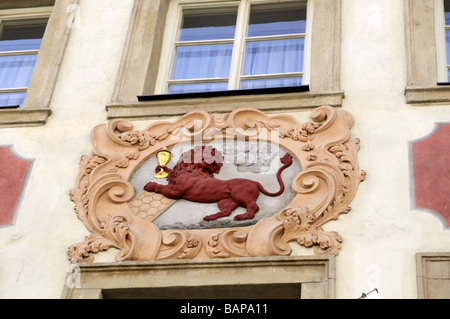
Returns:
(441, 51)
(174, 19)
(21, 17)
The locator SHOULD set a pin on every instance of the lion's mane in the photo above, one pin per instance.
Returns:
(201, 162)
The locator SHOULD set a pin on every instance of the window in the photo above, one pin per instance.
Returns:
(427, 47)
(447, 36)
(254, 45)
(443, 39)
(153, 41)
(33, 40)
(19, 46)
(433, 275)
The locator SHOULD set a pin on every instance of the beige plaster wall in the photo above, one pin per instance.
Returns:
(33, 252)
(381, 233)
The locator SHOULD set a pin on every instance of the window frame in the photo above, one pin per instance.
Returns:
(21, 17)
(424, 55)
(175, 14)
(36, 106)
(442, 64)
(142, 54)
(315, 277)
(432, 275)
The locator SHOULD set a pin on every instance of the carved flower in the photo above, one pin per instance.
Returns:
(310, 127)
(300, 133)
(308, 146)
(133, 137)
(137, 138)
(296, 218)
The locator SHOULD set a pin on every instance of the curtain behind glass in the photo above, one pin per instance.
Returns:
(447, 33)
(198, 87)
(271, 83)
(202, 61)
(12, 99)
(16, 70)
(447, 44)
(278, 56)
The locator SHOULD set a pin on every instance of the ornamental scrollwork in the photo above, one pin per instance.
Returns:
(108, 206)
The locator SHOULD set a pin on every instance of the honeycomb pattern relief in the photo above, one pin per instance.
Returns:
(149, 205)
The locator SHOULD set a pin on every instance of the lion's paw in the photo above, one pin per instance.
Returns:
(150, 187)
(212, 217)
(244, 216)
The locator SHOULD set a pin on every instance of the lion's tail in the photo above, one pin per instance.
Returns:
(287, 161)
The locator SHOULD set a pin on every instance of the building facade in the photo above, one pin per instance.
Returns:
(92, 90)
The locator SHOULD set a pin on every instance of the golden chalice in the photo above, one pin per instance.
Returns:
(164, 156)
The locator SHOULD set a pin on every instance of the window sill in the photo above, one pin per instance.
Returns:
(153, 107)
(289, 89)
(10, 117)
(431, 95)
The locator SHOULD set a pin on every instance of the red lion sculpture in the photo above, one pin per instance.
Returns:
(192, 178)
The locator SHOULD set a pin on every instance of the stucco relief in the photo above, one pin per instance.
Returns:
(122, 215)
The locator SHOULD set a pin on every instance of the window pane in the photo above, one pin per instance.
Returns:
(447, 44)
(23, 37)
(202, 61)
(208, 26)
(17, 45)
(198, 87)
(267, 20)
(270, 83)
(12, 99)
(20, 32)
(447, 11)
(15, 71)
(277, 56)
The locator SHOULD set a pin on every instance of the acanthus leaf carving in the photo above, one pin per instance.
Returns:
(114, 232)
(299, 224)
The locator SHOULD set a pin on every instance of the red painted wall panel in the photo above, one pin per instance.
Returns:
(431, 164)
(13, 172)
